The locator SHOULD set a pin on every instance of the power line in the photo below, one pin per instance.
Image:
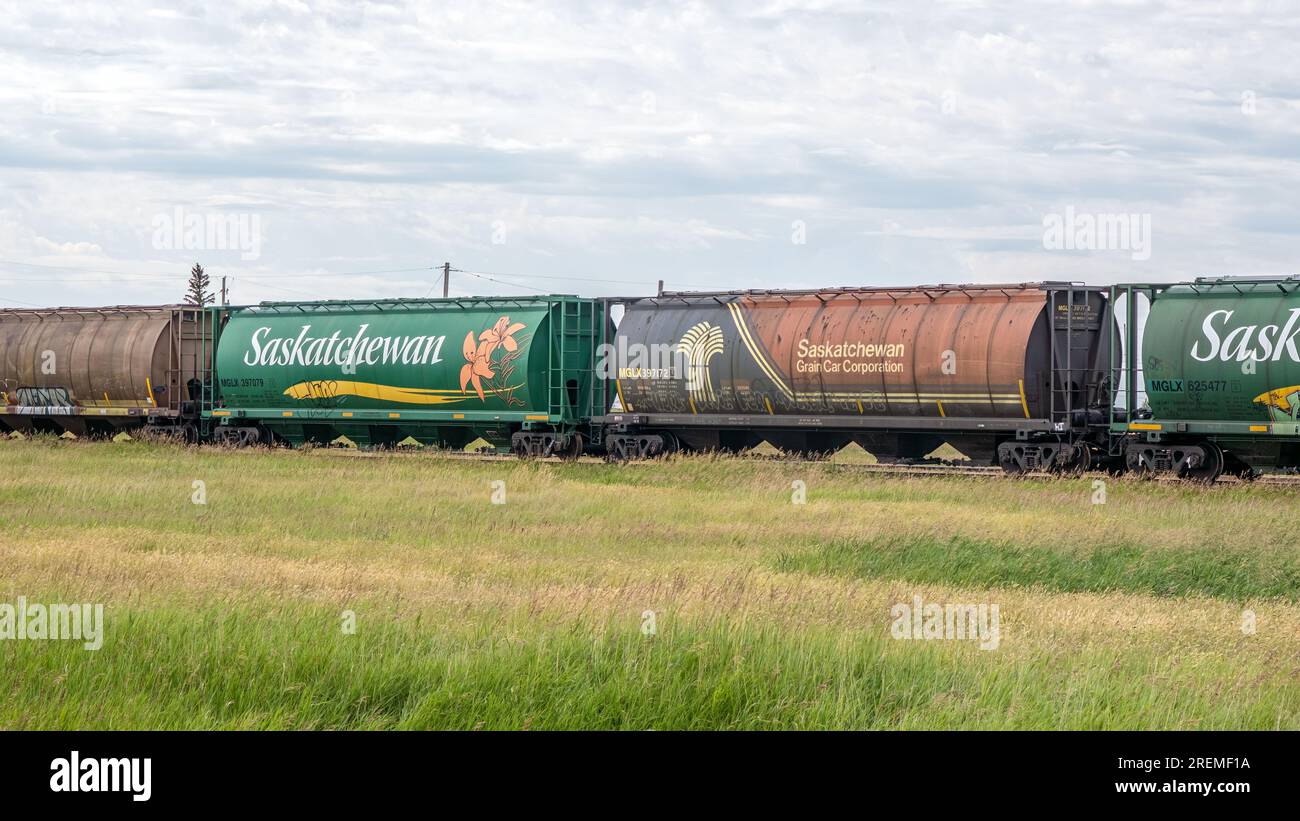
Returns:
(501, 282)
(486, 277)
(508, 280)
(575, 279)
(145, 276)
(121, 278)
(288, 290)
(338, 273)
(131, 275)
(20, 302)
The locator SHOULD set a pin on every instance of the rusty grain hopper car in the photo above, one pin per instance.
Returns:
(1009, 374)
(96, 371)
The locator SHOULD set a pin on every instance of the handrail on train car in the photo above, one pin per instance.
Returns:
(849, 290)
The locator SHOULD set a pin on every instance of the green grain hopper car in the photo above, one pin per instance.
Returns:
(518, 372)
(1220, 366)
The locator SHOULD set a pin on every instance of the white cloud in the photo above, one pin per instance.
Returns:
(640, 142)
(67, 249)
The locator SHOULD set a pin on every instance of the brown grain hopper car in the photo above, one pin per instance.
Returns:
(95, 371)
(1011, 374)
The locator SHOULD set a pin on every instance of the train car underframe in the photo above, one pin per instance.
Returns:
(96, 424)
(1018, 446)
(566, 442)
(1204, 457)
(528, 440)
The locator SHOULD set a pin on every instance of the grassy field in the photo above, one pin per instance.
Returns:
(687, 594)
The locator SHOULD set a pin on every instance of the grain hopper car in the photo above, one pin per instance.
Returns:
(1219, 365)
(1014, 375)
(517, 372)
(98, 371)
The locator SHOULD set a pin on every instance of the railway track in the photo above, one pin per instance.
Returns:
(901, 470)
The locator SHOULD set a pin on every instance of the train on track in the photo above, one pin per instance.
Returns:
(1197, 379)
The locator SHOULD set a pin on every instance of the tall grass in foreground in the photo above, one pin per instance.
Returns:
(269, 666)
(1100, 568)
(766, 614)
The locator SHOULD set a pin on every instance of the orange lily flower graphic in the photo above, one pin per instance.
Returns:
(478, 367)
(478, 355)
(502, 334)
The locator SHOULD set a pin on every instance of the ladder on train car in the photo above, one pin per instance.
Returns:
(1062, 375)
(209, 327)
(1126, 369)
(576, 353)
(192, 361)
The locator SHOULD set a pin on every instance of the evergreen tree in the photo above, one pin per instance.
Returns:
(198, 293)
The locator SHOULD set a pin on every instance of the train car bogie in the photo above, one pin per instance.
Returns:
(1019, 458)
(242, 436)
(543, 444)
(627, 447)
(1200, 462)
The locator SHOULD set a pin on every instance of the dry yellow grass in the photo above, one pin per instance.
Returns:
(714, 548)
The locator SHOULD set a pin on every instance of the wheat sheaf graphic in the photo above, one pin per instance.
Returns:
(699, 345)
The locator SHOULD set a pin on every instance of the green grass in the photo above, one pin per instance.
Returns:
(1194, 571)
(289, 667)
(530, 614)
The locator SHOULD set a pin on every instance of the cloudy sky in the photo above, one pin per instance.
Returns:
(597, 148)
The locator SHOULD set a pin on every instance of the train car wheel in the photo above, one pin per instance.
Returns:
(671, 444)
(614, 451)
(573, 449)
(1211, 465)
(1078, 459)
(1139, 462)
(1011, 458)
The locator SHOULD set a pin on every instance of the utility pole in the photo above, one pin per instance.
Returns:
(446, 279)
